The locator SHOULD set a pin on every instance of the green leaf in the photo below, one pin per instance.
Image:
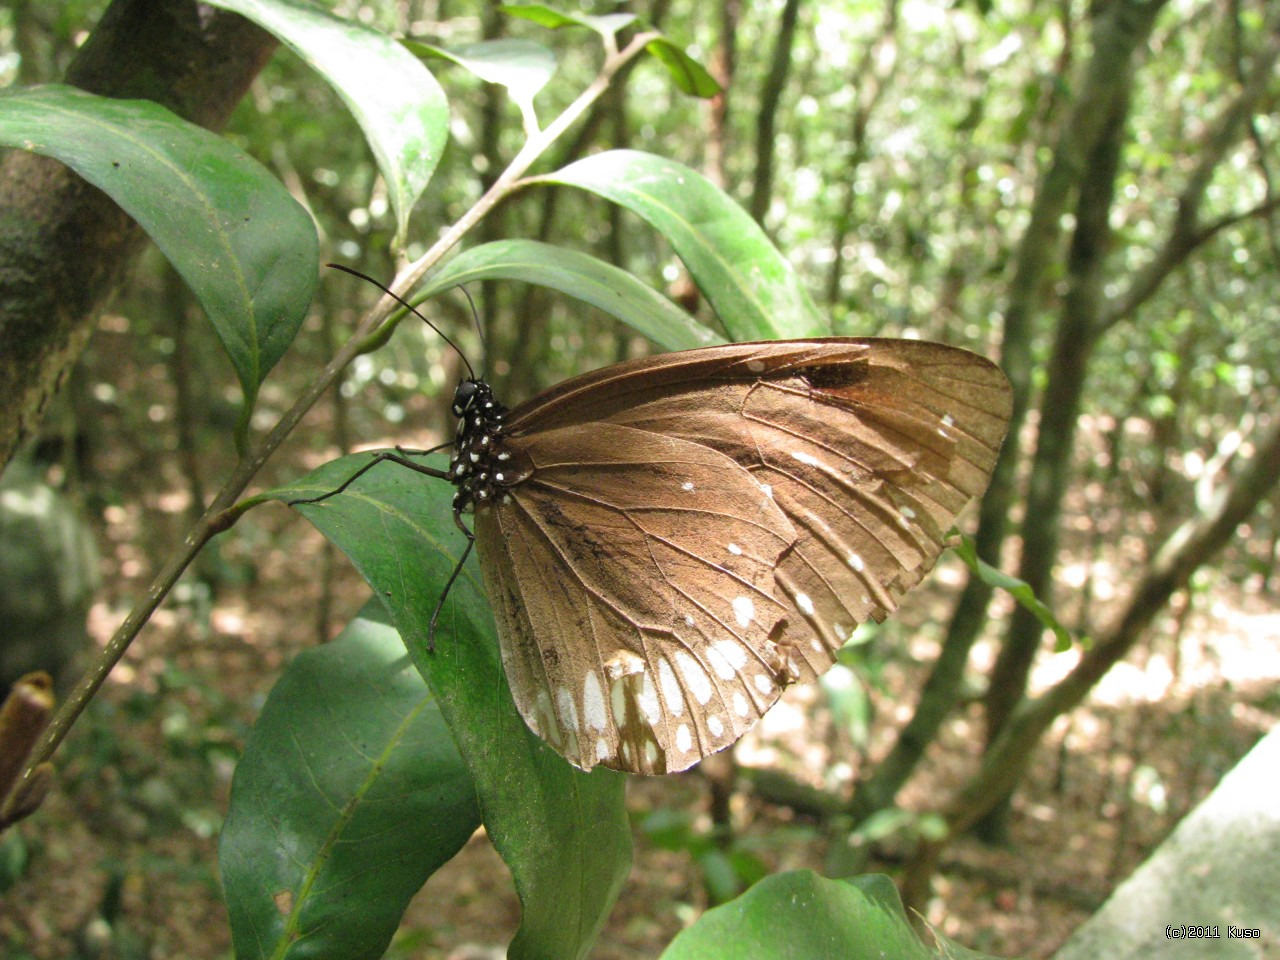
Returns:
(593, 281)
(689, 75)
(247, 249)
(522, 66)
(349, 796)
(605, 24)
(802, 916)
(752, 288)
(563, 833)
(401, 109)
(1020, 590)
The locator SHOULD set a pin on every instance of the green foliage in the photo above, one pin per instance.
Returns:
(967, 551)
(563, 833)
(400, 107)
(350, 792)
(245, 246)
(752, 287)
(585, 278)
(923, 206)
(803, 916)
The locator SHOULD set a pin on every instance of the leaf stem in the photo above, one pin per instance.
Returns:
(224, 511)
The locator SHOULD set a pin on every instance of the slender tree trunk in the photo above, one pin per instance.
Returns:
(1190, 547)
(1059, 412)
(724, 62)
(1118, 36)
(1086, 316)
(871, 77)
(64, 245)
(770, 98)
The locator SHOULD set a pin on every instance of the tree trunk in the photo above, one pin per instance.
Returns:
(64, 245)
(724, 61)
(1189, 548)
(1059, 412)
(871, 76)
(1118, 36)
(770, 97)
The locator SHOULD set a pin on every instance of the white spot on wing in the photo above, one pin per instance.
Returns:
(567, 708)
(768, 490)
(670, 689)
(855, 562)
(726, 658)
(755, 366)
(805, 458)
(948, 421)
(618, 702)
(593, 702)
(715, 726)
(687, 485)
(735, 549)
(764, 684)
(695, 678)
(908, 513)
(804, 603)
(739, 704)
(744, 610)
(684, 740)
(649, 699)
(688, 620)
(602, 750)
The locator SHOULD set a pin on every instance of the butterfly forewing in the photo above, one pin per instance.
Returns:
(633, 577)
(867, 448)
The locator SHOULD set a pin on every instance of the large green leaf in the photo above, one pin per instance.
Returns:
(246, 248)
(563, 833)
(394, 98)
(752, 287)
(593, 281)
(802, 916)
(349, 796)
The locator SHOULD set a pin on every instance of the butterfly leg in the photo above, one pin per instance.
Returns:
(392, 457)
(457, 569)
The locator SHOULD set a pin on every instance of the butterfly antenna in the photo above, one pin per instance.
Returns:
(411, 308)
(475, 315)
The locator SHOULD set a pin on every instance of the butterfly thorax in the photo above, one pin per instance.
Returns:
(481, 467)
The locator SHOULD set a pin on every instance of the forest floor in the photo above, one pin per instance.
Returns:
(124, 851)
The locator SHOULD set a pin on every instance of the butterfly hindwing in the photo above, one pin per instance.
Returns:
(632, 576)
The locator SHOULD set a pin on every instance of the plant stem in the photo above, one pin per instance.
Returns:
(224, 511)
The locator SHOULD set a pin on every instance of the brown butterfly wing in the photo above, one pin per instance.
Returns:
(869, 447)
(632, 575)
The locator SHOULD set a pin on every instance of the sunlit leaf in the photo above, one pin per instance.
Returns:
(604, 24)
(754, 290)
(401, 109)
(522, 66)
(802, 915)
(593, 281)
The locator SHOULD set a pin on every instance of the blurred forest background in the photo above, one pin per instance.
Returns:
(1084, 191)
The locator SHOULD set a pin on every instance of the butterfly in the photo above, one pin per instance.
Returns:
(669, 542)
